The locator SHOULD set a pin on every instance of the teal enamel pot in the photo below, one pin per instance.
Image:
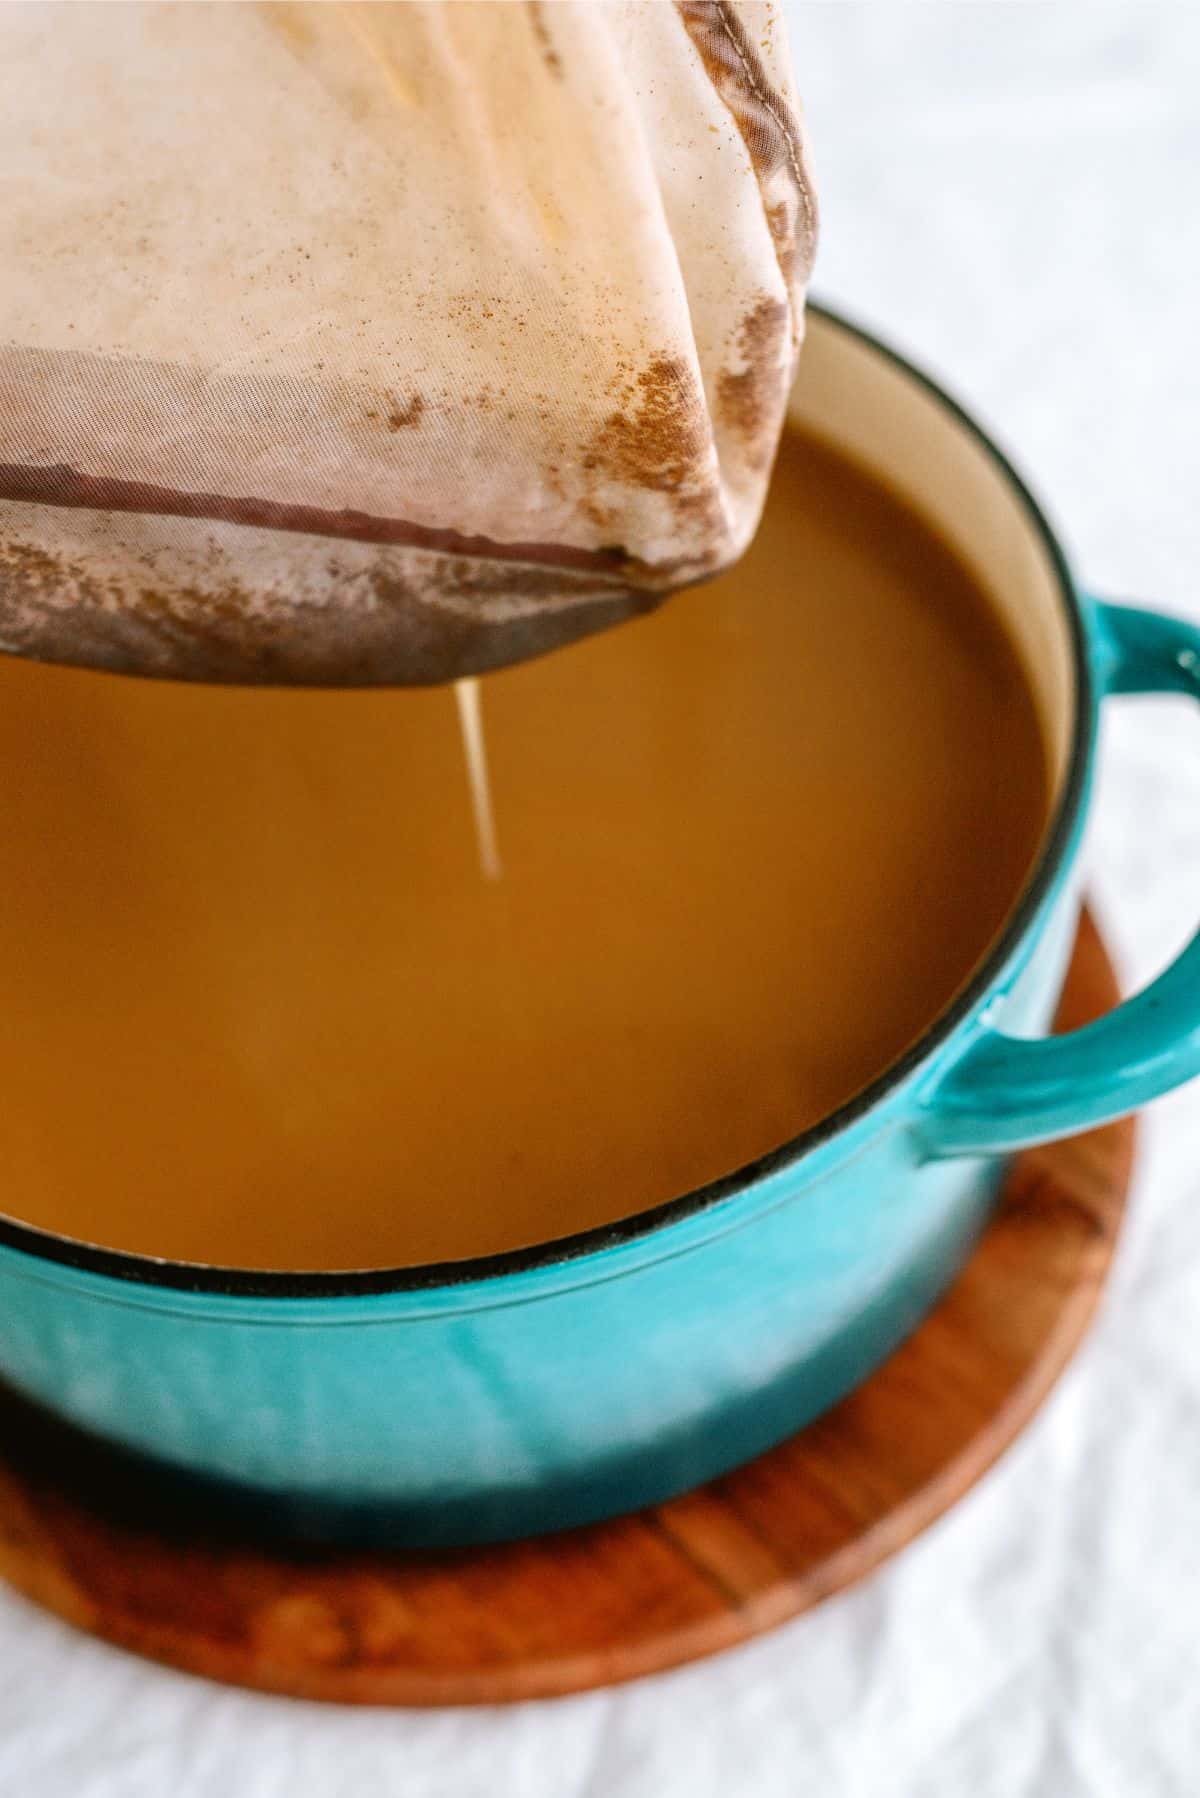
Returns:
(590, 1375)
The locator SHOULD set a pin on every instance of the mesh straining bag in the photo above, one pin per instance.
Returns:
(372, 343)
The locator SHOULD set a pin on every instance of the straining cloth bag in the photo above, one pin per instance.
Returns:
(371, 343)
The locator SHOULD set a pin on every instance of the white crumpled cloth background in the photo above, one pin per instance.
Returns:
(1009, 191)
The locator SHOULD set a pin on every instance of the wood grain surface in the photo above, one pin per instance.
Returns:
(82, 1534)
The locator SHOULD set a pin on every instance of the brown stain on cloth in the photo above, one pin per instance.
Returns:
(768, 125)
(412, 620)
(751, 397)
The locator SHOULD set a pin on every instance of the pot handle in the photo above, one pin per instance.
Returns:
(1007, 1092)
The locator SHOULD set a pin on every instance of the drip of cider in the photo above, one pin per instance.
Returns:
(470, 723)
(263, 1005)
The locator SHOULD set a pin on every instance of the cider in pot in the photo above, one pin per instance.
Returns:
(265, 1005)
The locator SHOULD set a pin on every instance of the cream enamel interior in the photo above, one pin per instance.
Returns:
(853, 394)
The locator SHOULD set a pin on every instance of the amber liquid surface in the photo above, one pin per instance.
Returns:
(260, 1008)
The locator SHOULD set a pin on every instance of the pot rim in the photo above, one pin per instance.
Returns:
(203, 1277)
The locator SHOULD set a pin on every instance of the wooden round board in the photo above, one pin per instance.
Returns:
(643, 1593)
